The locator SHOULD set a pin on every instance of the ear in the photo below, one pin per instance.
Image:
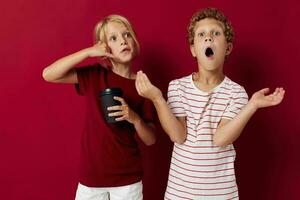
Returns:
(192, 48)
(229, 48)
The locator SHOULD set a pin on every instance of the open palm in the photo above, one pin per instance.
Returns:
(262, 99)
(145, 88)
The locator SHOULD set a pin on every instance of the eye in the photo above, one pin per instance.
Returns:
(113, 38)
(201, 34)
(217, 33)
(127, 34)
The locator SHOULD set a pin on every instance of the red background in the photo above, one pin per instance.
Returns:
(41, 123)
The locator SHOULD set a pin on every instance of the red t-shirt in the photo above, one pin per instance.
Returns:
(110, 155)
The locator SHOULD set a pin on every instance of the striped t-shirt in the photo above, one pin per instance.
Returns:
(199, 169)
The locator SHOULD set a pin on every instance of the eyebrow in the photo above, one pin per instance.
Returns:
(124, 31)
(112, 33)
(215, 28)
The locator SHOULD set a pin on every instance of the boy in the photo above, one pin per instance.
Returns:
(206, 112)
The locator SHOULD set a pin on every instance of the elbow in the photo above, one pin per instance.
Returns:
(219, 142)
(179, 139)
(152, 141)
(45, 75)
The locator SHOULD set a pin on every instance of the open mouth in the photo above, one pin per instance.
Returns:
(209, 52)
(125, 50)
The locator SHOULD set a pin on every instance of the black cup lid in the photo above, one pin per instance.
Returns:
(108, 91)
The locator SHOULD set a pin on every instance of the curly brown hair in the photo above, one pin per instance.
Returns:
(214, 14)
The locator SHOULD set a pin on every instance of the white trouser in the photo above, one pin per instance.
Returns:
(127, 192)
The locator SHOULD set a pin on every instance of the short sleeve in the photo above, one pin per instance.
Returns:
(86, 76)
(174, 99)
(238, 100)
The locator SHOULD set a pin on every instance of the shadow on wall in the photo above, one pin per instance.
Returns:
(256, 159)
(249, 66)
(158, 67)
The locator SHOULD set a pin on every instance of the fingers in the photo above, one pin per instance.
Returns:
(143, 78)
(277, 96)
(118, 113)
(265, 90)
(120, 107)
(276, 91)
(103, 50)
(121, 110)
(120, 99)
(142, 81)
(279, 91)
(139, 83)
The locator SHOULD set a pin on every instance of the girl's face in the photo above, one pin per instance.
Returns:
(210, 46)
(120, 42)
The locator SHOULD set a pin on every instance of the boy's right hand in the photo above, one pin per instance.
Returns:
(145, 88)
(100, 49)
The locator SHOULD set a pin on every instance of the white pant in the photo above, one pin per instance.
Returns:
(127, 192)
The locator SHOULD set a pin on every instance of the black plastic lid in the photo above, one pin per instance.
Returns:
(109, 91)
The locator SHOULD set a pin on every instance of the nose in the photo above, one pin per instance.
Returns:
(123, 41)
(208, 39)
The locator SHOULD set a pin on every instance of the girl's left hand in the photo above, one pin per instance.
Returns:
(260, 98)
(123, 111)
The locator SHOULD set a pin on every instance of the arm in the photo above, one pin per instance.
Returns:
(229, 130)
(124, 112)
(145, 131)
(62, 70)
(174, 127)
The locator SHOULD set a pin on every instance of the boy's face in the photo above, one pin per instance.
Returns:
(120, 42)
(210, 46)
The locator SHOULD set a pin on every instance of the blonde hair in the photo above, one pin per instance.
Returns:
(100, 29)
(214, 14)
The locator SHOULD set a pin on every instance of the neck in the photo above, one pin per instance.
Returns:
(122, 69)
(208, 77)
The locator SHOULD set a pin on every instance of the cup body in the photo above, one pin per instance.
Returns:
(107, 100)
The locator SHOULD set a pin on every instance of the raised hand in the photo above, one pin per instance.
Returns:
(145, 88)
(123, 112)
(100, 49)
(260, 98)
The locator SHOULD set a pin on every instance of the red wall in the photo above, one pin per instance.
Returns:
(41, 123)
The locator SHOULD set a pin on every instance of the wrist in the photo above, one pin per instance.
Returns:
(136, 121)
(87, 52)
(158, 99)
(252, 105)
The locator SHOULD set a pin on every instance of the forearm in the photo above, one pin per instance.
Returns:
(230, 131)
(145, 131)
(63, 66)
(171, 125)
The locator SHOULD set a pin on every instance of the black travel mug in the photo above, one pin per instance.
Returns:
(107, 100)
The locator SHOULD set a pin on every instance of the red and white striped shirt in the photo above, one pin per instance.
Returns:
(199, 169)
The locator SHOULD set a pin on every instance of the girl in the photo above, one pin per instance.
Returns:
(110, 166)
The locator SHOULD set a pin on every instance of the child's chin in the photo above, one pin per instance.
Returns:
(124, 60)
(210, 66)
(127, 58)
